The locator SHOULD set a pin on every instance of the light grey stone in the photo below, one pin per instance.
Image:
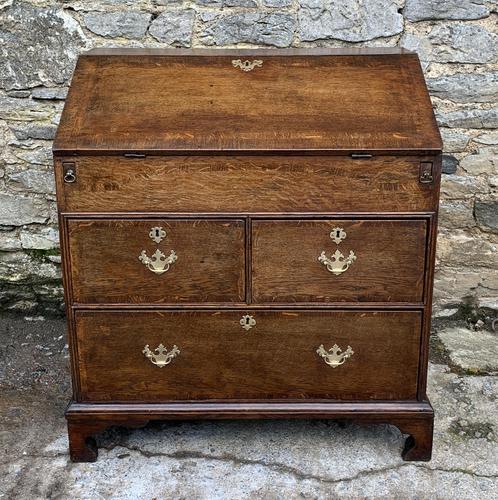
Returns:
(489, 138)
(12, 108)
(484, 161)
(227, 3)
(456, 214)
(51, 93)
(277, 3)
(174, 27)
(461, 186)
(37, 181)
(274, 28)
(459, 248)
(451, 285)
(39, 156)
(44, 239)
(18, 267)
(465, 87)
(486, 213)
(351, 21)
(9, 241)
(35, 131)
(463, 43)
(37, 46)
(128, 24)
(19, 93)
(421, 10)
(17, 210)
(420, 45)
(454, 141)
(471, 350)
(469, 118)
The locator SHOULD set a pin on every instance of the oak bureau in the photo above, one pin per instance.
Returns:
(248, 234)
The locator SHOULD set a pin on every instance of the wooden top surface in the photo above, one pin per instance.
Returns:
(196, 101)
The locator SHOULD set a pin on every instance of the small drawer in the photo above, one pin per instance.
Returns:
(338, 260)
(160, 356)
(156, 261)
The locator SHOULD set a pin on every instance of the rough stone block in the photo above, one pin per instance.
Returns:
(486, 213)
(173, 27)
(485, 161)
(456, 214)
(37, 181)
(39, 46)
(471, 350)
(450, 164)
(469, 118)
(351, 21)
(465, 87)
(454, 141)
(274, 28)
(16, 210)
(463, 43)
(421, 10)
(128, 24)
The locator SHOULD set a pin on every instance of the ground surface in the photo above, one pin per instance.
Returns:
(238, 460)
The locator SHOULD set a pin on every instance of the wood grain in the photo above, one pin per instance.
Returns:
(247, 184)
(105, 267)
(389, 266)
(188, 103)
(275, 359)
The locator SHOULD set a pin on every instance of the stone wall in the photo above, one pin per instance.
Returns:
(457, 41)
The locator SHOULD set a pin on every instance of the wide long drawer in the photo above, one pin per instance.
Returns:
(160, 356)
(245, 184)
(157, 261)
(338, 260)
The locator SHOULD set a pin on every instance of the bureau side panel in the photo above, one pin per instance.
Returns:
(248, 184)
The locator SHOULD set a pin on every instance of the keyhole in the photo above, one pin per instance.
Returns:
(337, 234)
(247, 321)
(157, 233)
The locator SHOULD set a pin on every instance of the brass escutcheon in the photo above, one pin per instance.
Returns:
(246, 65)
(334, 357)
(337, 234)
(247, 322)
(160, 355)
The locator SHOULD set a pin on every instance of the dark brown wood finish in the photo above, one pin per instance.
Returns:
(389, 265)
(246, 184)
(276, 358)
(412, 418)
(105, 265)
(194, 102)
(248, 172)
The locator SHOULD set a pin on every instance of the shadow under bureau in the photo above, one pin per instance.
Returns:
(248, 234)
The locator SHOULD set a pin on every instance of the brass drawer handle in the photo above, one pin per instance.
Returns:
(160, 356)
(338, 263)
(334, 357)
(158, 263)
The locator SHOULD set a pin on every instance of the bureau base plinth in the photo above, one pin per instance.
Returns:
(86, 420)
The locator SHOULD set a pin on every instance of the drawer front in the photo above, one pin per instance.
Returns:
(246, 184)
(282, 355)
(157, 261)
(338, 260)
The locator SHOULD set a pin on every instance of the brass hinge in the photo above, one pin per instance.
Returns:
(426, 175)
